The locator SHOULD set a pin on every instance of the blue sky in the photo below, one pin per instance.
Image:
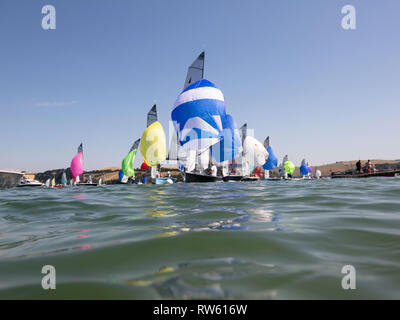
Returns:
(286, 67)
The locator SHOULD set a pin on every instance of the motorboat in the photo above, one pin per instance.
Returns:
(26, 182)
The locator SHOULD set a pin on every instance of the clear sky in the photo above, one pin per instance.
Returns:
(286, 67)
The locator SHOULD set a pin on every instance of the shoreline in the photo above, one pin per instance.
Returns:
(110, 174)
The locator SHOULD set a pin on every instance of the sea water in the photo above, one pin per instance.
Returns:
(237, 240)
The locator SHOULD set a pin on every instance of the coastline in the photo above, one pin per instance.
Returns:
(110, 174)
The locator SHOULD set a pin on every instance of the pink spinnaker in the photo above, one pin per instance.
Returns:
(77, 165)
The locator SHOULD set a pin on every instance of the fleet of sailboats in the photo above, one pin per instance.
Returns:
(206, 144)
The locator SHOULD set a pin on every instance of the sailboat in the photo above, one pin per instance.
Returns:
(288, 167)
(77, 164)
(272, 161)
(254, 154)
(77, 168)
(198, 116)
(127, 163)
(305, 170)
(186, 160)
(199, 119)
(63, 182)
(153, 146)
(64, 179)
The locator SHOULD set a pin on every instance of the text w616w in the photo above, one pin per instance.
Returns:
(221, 309)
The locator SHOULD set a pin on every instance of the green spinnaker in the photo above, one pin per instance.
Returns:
(127, 164)
(289, 167)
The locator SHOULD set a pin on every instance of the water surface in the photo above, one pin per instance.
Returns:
(246, 240)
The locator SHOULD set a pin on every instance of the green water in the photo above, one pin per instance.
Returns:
(248, 240)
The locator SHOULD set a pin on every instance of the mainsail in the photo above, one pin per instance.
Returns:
(127, 162)
(152, 115)
(195, 71)
(243, 132)
(77, 163)
(199, 115)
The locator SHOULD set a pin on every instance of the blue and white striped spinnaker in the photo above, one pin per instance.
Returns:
(230, 145)
(199, 115)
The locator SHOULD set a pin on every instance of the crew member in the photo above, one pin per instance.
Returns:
(358, 165)
(214, 170)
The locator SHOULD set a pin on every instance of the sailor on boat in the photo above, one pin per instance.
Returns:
(358, 166)
(369, 167)
(214, 170)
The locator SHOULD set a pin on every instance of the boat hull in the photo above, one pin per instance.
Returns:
(9, 179)
(164, 180)
(386, 173)
(197, 177)
(30, 185)
(88, 184)
(250, 179)
(232, 178)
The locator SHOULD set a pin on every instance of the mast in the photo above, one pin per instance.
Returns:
(80, 149)
(266, 145)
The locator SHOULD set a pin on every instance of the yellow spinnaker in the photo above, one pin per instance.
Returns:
(152, 145)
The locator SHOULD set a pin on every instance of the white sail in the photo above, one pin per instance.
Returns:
(203, 160)
(254, 152)
(153, 172)
(225, 168)
(48, 183)
(190, 162)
